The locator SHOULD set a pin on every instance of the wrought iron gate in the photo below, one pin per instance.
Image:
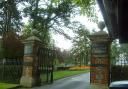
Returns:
(46, 57)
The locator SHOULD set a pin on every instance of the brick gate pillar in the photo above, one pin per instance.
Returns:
(31, 75)
(100, 56)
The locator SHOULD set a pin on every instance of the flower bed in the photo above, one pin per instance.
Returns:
(79, 67)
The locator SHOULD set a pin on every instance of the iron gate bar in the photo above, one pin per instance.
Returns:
(11, 70)
(46, 57)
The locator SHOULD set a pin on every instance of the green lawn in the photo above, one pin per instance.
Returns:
(6, 85)
(57, 75)
(66, 73)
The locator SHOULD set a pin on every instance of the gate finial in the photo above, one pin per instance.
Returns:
(101, 25)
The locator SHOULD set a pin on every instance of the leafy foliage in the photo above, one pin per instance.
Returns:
(81, 46)
(46, 16)
(44, 36)
(86, 7)
(13, 47)
(118, 52)
(124, 51)
(9, 16)
(115, 51)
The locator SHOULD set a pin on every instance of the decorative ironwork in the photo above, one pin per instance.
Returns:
(11, 70)
(119, 70)
(46, 57)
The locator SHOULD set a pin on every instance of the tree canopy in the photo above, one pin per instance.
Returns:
(81, 46)
(118, 52)
(9, 16)
(44, 16)
(86, 6)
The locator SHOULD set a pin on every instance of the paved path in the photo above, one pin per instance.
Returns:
(74, 82)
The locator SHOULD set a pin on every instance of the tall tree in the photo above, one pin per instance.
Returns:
(41, 12)
(53, 15)
(44, 36)
(46, 15)
(81, 46)
(124, 51)
(115, 52)
(10, 23)
(9, 16)
(119, 52)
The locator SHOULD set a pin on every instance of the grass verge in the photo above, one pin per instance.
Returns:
(67, 73)
(7, 86)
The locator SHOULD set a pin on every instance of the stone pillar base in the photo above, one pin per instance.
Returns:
(98, 86)
(27, 81)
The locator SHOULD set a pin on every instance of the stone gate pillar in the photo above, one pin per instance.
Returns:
(31, 74)
(100, 56)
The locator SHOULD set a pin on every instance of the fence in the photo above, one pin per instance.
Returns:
(119, 71)
(11, 70)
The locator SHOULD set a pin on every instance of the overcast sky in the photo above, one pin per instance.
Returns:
(63, 43)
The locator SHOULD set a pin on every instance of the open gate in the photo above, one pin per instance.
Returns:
(46, 57)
